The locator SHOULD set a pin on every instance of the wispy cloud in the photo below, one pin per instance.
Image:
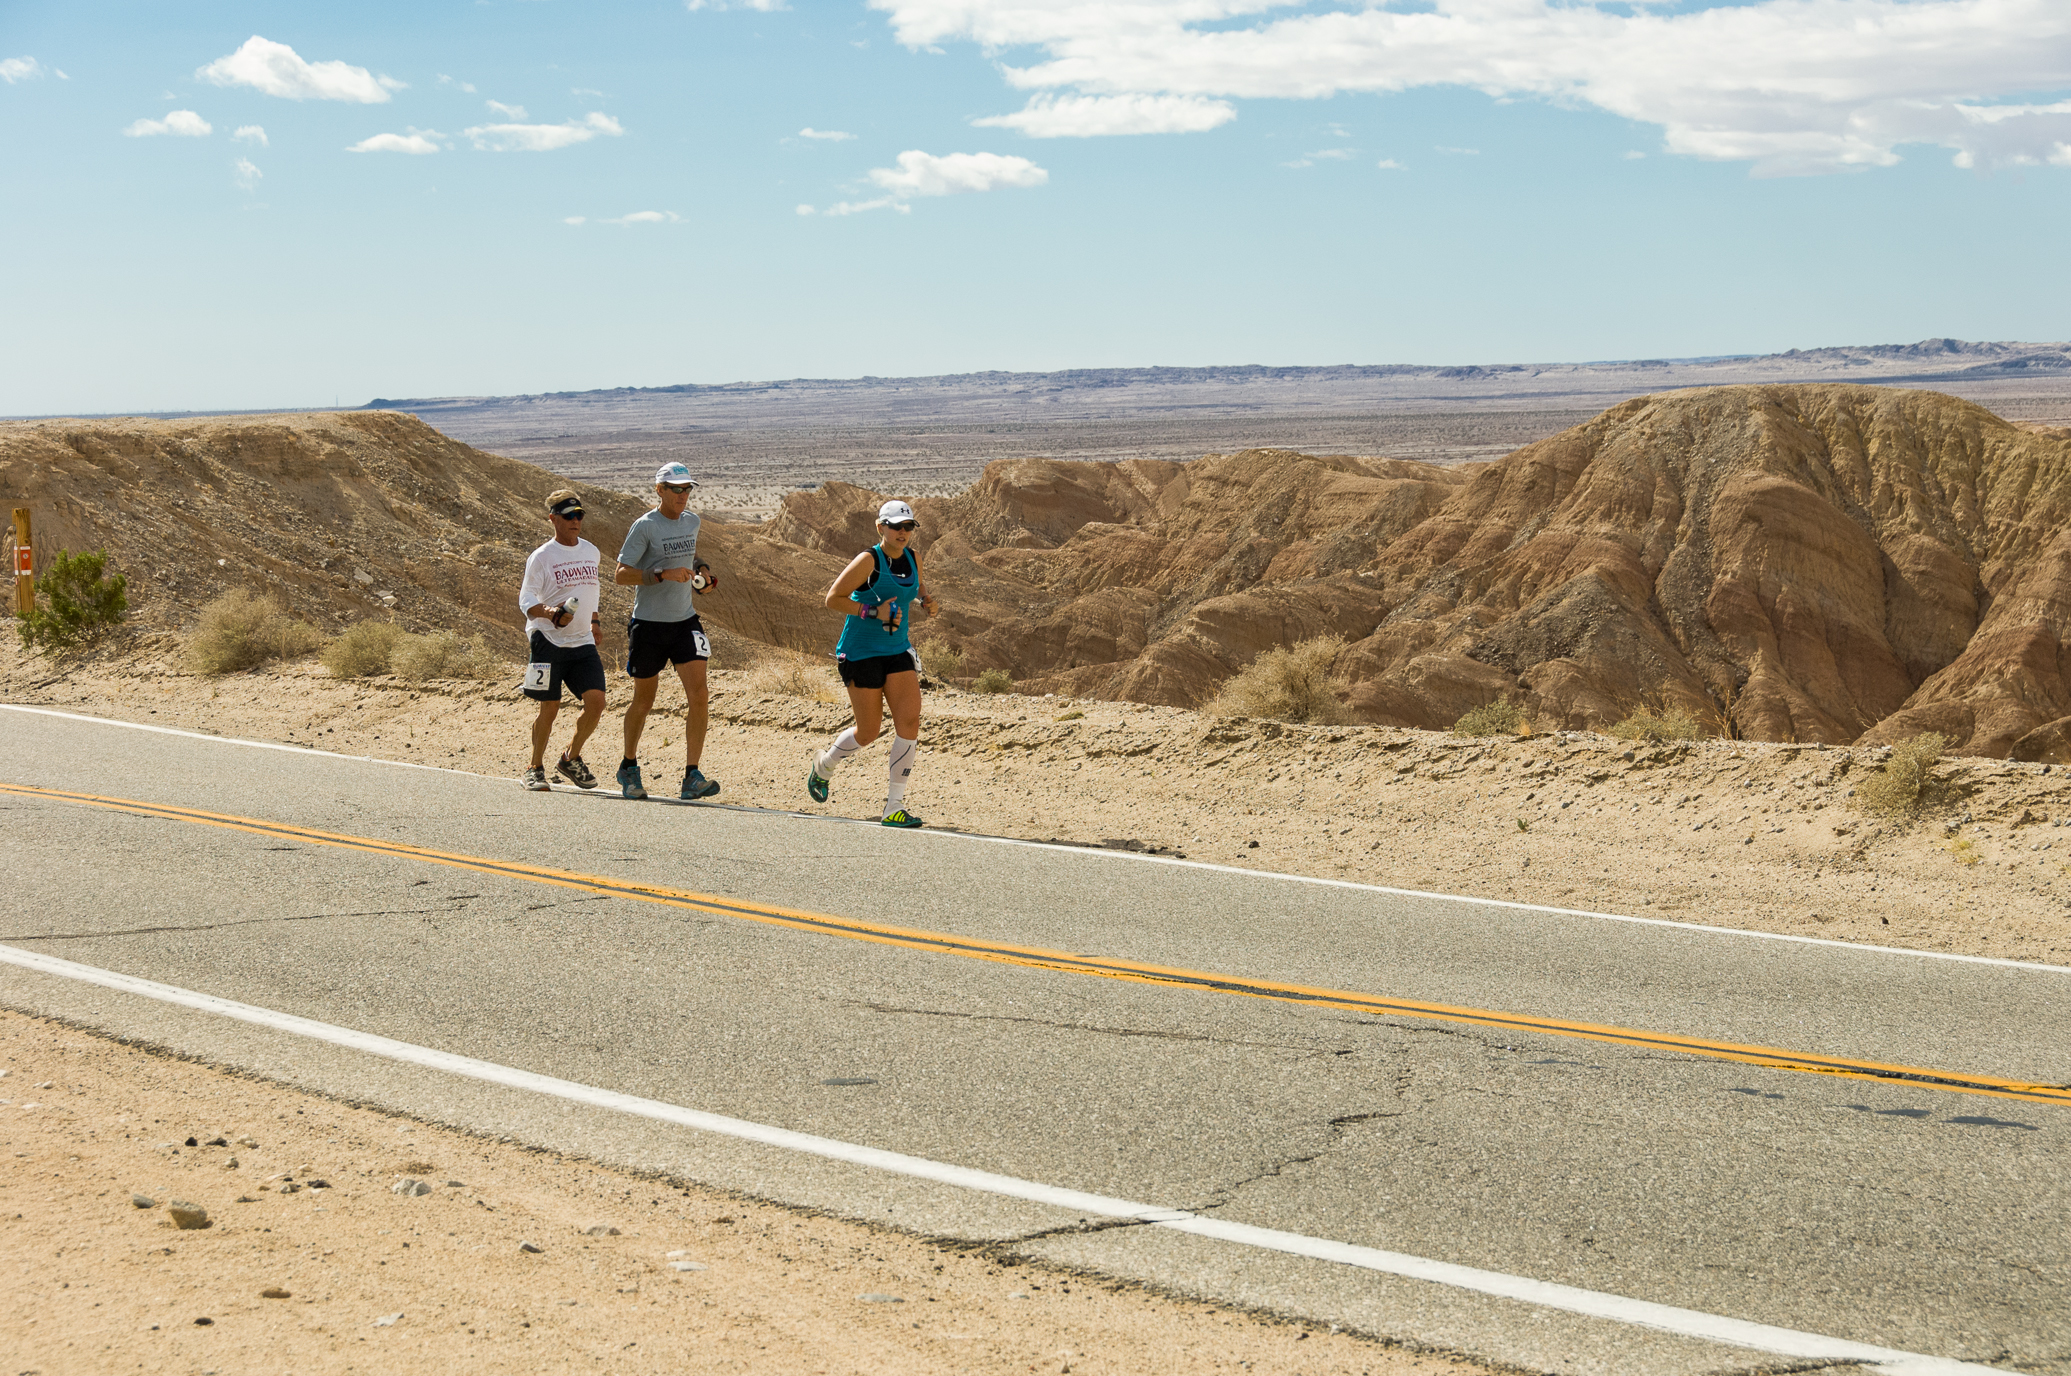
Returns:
(418, 141)
(832, 135)
(1390, 165)
(251, 133)
(541, 138)
(1322, 155)
(15, 69)
(1049, 116)
(585, 91)
(576, 220)
(185, 123)
(247, 174)
(1791, 86)
(766, 6)
(467, 86)
(1458, 152)
(277, 70)
(925, 174)
(507, 111)
(646, 217)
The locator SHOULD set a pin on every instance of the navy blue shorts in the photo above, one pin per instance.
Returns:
(652, 644)
(578, 668)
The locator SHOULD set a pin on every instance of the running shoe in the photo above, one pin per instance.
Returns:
(576, 772)
(816, 782)
(901, 818)
(629, 781)
(696, 785)
(536, 780)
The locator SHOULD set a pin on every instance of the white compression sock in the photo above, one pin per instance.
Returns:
(904, 753)
(844, 746)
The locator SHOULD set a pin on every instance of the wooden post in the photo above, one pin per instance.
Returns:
(24, 565)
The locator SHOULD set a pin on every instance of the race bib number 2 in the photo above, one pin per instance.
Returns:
(538, 677)
(704, 645)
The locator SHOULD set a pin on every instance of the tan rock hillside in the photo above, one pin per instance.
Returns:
(1819, 562)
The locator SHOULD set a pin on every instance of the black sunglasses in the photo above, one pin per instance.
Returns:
(569, 515)
(900, 525)
(677, 487)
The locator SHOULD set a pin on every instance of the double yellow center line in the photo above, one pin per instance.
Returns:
(1034, 957)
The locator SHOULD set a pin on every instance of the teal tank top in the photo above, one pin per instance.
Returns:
(866, 637)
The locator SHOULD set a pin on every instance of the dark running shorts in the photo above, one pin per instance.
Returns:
(578, 668)
(872, 672)
(651, 644)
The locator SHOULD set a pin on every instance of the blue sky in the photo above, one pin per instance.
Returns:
(1034, 185)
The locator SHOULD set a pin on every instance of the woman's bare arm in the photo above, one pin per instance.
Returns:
(852, 577)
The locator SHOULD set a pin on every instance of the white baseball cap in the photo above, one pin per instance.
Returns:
(673, 473)
(892, 511)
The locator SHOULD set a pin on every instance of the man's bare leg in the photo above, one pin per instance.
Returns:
(644, 690)
(543, 732)
(697, 713)
(592, 713)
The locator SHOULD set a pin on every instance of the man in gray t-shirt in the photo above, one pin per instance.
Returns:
(660, 560)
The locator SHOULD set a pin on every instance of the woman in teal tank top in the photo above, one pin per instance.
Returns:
(877, 591)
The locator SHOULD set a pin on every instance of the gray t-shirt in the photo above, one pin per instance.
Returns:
(655, 543)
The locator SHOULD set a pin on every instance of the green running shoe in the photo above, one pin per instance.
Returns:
(815, 782)
(901, 818)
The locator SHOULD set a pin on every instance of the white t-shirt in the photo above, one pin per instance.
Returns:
(554, 573)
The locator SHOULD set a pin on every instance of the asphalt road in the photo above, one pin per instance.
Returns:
(1888, 1212)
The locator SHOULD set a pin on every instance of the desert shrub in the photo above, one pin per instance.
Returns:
(1499, 718)
(241, 630)
(1286, 684)
(794, 674)
(365, 648)
(940, 659)
(1671, 723)
(76, 600)
(442, 654)
(1901, 787)
(995, 681)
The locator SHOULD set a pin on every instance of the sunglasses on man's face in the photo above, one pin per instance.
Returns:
(569, 515)
(678, 488)
(900, 525)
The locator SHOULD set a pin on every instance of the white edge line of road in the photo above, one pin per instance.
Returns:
(1688, 1323)
(1698, 927)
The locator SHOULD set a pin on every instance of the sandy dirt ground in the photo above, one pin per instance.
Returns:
(312, 1262)
(1757, 836)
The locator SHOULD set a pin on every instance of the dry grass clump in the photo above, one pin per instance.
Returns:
(995, 681)
(362, 650)
(1901, 787)
(241, 630)
(443, 654)
(795, 674)
(940, 659)
(1499, 718)
(1670, 723)
(1286, 685)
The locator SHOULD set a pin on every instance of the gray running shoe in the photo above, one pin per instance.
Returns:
(576, 772)
(536, 780)
(696, 785)
(629, 781)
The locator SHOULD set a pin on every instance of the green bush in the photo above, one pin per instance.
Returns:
(995, 681)
(1287, 685)
(443, 654)
(240, 630)
(76, 600)
(941, 659)
(1499, 718)
(366, 648)
(1671, 723)
(1901, 787)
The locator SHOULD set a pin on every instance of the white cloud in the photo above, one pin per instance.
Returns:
(277, 70)
(1791, 86)
(1321, 155)
(834, 135)
(645, 217)
(1049, 116)
(183, 122)
(1457, 152)
(766, 6)
(585, 91)
(507, 111)
(541, 138)
(807, 210)
(924, 174)
(576, 220)
(1632, 155)
(416, 141)
(250, 133)
(247, 175)
(1390, 165)
(467, 86)
(15, 69)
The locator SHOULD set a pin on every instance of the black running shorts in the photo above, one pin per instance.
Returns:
(652, 644)
(578, 668)
(872, 672)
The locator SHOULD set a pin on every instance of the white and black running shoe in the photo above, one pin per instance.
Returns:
(576, 772)
(536, 780)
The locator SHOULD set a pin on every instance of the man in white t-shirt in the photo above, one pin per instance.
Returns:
(560, 597)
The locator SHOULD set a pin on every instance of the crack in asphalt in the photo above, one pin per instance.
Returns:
(219, 926)
(1088, 1027)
